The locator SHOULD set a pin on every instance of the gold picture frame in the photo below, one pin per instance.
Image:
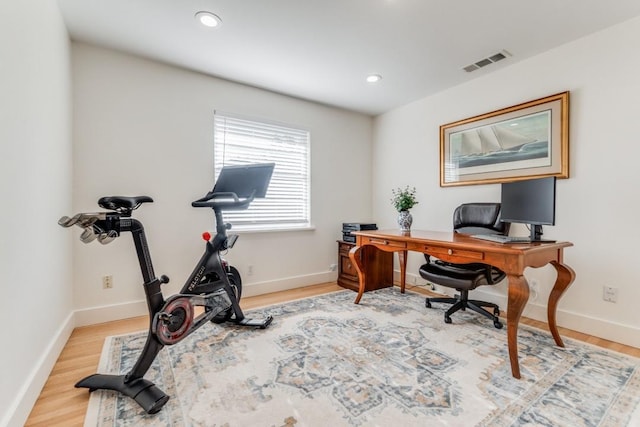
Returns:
(528, 140)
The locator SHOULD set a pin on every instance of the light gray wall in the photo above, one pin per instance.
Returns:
(596, 208)
(35, 183)
(141, 127)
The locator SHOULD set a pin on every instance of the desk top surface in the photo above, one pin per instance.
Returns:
(452, 239)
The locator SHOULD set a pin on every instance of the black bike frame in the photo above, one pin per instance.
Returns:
(208, 285)
(210, 265)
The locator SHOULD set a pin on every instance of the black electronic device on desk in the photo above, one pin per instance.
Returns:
(501, 238)
(531, 202)
(348, 227)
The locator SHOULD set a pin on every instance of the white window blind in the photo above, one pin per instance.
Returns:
(239, 141)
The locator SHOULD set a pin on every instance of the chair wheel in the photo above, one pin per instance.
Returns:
(447, 319)
(427, 303)
(497, 324)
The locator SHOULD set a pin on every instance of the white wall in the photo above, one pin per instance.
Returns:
(597, 208)
(35, 169)
(141, 127)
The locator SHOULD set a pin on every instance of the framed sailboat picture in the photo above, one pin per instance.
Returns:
(528, 140)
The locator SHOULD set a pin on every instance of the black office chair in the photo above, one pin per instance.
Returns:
(469, 218)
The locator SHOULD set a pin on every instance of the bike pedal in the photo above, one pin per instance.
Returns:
(261, 324)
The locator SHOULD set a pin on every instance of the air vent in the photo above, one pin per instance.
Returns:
(487, 61)
(497, 57)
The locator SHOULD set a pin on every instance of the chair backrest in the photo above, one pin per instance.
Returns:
(478, 218)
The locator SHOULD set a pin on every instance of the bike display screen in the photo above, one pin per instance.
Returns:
(243, 180)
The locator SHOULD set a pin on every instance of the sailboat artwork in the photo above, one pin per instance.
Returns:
(530, 139)
(523, 138)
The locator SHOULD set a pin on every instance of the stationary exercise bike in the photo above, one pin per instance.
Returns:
(214, 285)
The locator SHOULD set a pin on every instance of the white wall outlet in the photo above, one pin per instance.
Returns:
(107, 282)
(250, 270)
(333, 267)
(610, 294)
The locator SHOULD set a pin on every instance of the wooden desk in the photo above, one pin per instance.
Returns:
(460, 248)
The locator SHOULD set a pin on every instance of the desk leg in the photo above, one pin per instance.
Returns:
(565, 278)
(356, 260)
(517, 298)
(402, 258)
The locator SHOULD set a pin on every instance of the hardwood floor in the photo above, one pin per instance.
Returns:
(61, 404)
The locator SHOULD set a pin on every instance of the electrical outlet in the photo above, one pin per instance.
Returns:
(333, 267)
(107, 282)
(610, 294)
(250, 270)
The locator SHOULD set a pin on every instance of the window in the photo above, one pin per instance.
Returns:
(240, 141)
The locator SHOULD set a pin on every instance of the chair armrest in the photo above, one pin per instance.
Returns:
(492, 274)
(488, 273)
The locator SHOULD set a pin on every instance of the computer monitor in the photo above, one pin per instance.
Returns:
(245, 180)
(531, 202)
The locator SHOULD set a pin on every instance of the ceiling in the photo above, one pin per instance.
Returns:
(323, 50)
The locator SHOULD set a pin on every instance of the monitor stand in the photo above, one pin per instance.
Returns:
(536, 234)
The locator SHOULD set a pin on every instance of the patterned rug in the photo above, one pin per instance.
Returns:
(389, 361)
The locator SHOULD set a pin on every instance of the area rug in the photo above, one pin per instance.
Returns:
(388, 361)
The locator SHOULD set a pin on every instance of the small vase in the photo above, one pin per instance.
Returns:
(404, 220)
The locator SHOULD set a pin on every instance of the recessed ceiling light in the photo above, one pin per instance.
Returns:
(208, 19)
(374, 78)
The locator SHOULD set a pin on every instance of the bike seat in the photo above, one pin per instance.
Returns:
(123, 203)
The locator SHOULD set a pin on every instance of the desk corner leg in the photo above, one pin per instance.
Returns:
(356, 260)
(518, 295)
(402, 260)
(565, 278)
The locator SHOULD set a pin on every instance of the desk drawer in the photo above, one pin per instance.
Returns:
(347, 268)
(378, 265)
(384, 242)
(344, 248)
(444, 253)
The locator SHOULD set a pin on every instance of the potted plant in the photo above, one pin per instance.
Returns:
(404, 199)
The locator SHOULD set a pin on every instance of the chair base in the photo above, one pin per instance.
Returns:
(462, 303)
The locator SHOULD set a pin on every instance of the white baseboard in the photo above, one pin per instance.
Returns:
(259, 288)
(26, 397)
(605, 329)
(601, 328)
(107, 313)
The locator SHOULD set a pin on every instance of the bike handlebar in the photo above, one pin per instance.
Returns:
(223, 201)
(95, 225)
(105, 226)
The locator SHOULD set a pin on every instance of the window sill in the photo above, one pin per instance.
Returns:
(271, 229)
